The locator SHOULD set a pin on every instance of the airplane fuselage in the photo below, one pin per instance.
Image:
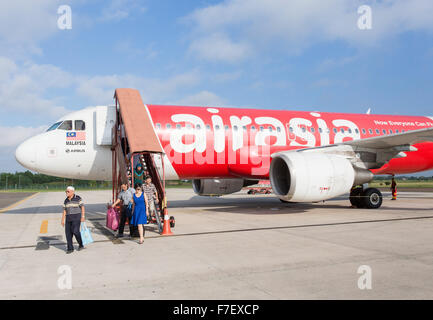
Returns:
(202, 142)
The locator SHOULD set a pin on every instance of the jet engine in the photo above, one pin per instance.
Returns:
(313, 176)
(219, 187)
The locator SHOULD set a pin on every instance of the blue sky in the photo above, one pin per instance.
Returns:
(280, 54)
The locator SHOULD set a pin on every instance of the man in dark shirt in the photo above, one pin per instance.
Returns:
(73, 215)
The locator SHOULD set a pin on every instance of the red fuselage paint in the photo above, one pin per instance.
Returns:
(203, 142)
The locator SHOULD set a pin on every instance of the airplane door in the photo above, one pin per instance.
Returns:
(105, 120)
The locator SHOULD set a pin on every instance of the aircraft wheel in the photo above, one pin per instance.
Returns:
(372, 198)
(356, 197)
(284, 201)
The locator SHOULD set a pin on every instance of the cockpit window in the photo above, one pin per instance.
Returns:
(66, 125)
(80, 125)
(54, 126)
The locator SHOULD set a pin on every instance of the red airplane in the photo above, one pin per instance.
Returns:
(307, 156)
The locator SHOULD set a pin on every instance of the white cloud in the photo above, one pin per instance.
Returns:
(28, 88)
(23, 88)
(100, 89)
(121, 9)
(331, 63)
(247, 26)
(219, 47)
(24, 23)
(226, 76)
(202, 98)
(12, 136)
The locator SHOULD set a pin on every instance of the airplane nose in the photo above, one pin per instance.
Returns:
(25, 154)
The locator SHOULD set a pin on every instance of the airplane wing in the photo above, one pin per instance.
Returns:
(373, 153)
(394, 140)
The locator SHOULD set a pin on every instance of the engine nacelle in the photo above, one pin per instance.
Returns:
(313, 176)
(219, 187)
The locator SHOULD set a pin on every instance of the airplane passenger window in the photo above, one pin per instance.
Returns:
(226, 127)
(278, 129)
(350, 130)
(168, 126)
(217, 127)
(244, 128)
(188, 126)
(370, 131)
(235, 128)
(335, 130)
(253, 128)
(198, 127)
(384, 131)
(208, 127)
(66, 125)
(342, 130)
(291, 129)
(54, 126)
(320, 130)
(270, 129)
(390, 131)
(396, 130)
(363, 131)
(261, 128)
(178, 126)
(312, 130)
(304, 129)
(402, 131)
(158, 126)
(80, 125)
(377, 131)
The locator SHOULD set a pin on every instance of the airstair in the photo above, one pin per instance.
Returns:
(134, 140)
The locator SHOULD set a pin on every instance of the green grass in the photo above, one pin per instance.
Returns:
(402, 184)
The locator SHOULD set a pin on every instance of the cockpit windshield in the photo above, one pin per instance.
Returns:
(54, 126)
(67, 125)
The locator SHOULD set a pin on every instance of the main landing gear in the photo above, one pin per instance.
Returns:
(370, 198)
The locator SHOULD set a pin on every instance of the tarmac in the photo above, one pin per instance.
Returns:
(233, 247)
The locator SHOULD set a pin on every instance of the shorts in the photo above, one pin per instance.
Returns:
(152, 206)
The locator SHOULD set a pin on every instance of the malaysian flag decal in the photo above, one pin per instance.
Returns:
(75, 136)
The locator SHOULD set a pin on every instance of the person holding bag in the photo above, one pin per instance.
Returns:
(125, 197)
(73, 215)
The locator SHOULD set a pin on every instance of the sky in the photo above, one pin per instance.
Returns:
(276, 54)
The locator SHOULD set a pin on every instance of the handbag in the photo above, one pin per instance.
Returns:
(112, 219)
(86, 236)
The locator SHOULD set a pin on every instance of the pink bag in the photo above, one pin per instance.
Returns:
(112, 219)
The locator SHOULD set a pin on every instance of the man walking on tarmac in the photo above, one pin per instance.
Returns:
(125, 196)
(73, 215)
(152, 196)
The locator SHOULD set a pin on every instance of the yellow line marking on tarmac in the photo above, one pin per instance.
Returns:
(44, 226)
(13, 205)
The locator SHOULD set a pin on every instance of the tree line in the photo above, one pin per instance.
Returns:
(30, 180)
